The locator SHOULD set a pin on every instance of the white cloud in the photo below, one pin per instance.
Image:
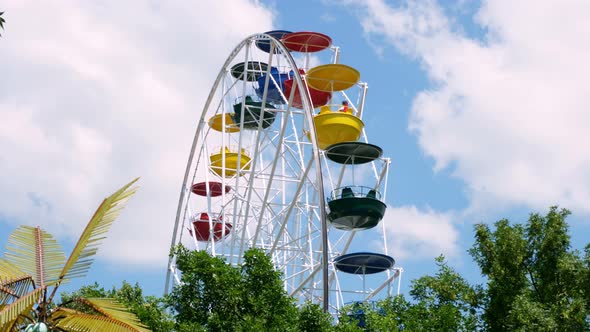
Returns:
(93, 95)
(416, 234)
(328, 18)
(509, 114)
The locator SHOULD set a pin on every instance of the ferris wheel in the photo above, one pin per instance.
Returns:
(279, 148)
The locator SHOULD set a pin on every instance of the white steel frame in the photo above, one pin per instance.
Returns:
(279, 204)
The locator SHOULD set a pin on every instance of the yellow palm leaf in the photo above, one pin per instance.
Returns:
(35, 252)
(12, 289)
(71, 320)
(10, 313)
(80, 259)
(13, 282)
(113, 309)
(9, 270)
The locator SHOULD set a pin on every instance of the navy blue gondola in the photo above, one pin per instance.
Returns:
(275, 87)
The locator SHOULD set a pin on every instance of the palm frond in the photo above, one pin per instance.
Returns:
(35, 252)
(10, 313)
(9, 270)
(13, 282)
(113, 309)
(80, 259)
(71, 320)
(12, 289)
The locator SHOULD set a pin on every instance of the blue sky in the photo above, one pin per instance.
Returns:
(482, 107)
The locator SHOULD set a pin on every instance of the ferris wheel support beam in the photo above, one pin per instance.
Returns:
(223, 180)
(336, 50)
(385, 283)
(290, 209)
(274, 166)
(382, 176)
(306, 280)
(308, 108)
(190, 158)
(365, 87)
(242, 107)
(344, 251)
(253, 166)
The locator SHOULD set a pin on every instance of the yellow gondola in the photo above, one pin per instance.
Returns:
(336, 127)
(332, 77)
(231, 162)
(216, 123)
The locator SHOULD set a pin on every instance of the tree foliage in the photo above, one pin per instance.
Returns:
(443, 302)
(34, 266)
(535, 280)
(150, 310)
(215, 296)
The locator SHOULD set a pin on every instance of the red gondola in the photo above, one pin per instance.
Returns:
(215, 189)
(201, 227)
(318, 98)
(306, 41)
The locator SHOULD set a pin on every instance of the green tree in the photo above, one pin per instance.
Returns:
(535, 280)
(150, 310)
(34, 266)
(215, 296)
(443, 302)
(312, 318)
